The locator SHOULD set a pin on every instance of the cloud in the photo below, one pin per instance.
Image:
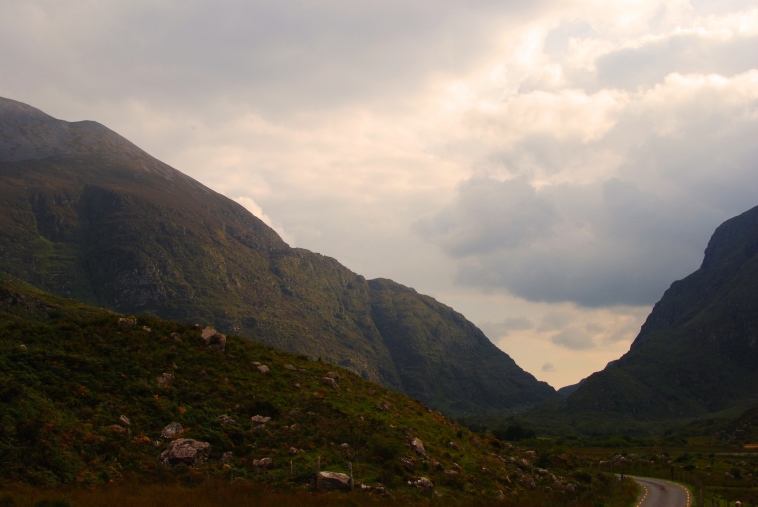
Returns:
(573, 338)
(503, 328)
(488, 216)
(256, 210)
(548, 367)
(641, 219)
(645, 66)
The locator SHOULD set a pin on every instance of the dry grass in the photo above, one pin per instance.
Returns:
(161, 495)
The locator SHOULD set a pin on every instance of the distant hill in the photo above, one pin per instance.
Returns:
(85, 214)
(86, 396)
(697, 352)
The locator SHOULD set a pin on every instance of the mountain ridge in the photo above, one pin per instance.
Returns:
(98, 220)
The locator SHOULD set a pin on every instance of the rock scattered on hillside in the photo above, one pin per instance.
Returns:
(418, 446)
(127, 323)
(172, 430)
(225, 419)
(333, 481)
(423, 484)
(185, 450)
(213, 339)
(263, 463)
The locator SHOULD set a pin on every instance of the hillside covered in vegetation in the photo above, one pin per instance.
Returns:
(88, 396)
(87, 215)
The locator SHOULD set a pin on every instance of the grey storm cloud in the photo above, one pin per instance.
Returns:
(595, 245)
(688, 162)
(269, 56)
(489, 216)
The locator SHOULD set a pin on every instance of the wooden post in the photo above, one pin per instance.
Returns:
(318, 473)
(350, 468)
(290, 469)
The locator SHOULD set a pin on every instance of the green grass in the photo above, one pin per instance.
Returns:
(69, 371)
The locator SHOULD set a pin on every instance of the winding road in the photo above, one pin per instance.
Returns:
(660, 493)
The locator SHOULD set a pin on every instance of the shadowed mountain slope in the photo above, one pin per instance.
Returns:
(87, 215)
(697, 352)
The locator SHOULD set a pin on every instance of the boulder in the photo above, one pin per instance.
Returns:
(418, 446)
(225, 419)
(126, 323)
(147, 329)
(226, 457)
(172, 430)
(263, 463)
(453, 445)
(260, 419)
(423, 484)
(213, 339)
(289, 367)
(124, 421)
(334, 375)
(263, 368)
(115, 428)
(185, 450)
(333, 481)
(331, 382)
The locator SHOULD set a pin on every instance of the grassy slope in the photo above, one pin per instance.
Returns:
(68, 371)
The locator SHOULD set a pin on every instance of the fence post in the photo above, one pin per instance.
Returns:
(350, 468)
(318, 473)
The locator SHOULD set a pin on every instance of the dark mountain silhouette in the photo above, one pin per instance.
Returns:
(87, 215)
(697, 352)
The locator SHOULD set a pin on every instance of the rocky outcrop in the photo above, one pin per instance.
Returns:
(186, 451)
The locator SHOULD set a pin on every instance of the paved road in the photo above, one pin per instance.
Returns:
(660, 493)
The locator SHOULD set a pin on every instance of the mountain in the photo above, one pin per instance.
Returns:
(566, 391)
(87, 395)
(85, 214)
(697, 352)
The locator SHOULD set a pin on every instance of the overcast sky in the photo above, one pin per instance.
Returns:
(547, 168)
